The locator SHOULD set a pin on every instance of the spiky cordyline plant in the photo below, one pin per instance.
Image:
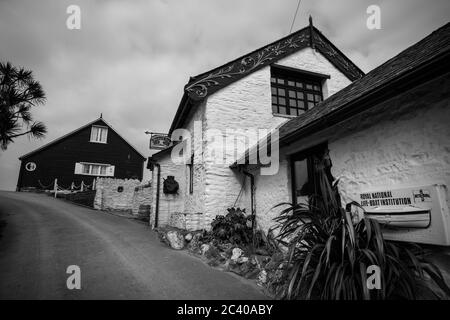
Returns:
(328, 256)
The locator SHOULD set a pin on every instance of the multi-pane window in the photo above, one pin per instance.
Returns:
(293, 94)
(94, 169)
(99, 134)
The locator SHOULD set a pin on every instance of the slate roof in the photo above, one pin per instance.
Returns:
(412, 63)
(434, 45)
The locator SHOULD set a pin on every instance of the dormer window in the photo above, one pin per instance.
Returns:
(99, 134)
(294, 92)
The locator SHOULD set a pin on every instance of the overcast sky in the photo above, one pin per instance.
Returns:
(131, 59)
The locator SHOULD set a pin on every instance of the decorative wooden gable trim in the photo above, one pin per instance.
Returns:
(207, 83)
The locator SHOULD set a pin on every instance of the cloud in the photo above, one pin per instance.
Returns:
(131, 59)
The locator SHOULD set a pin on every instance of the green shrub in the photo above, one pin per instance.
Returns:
(233, 227)
(329, 255)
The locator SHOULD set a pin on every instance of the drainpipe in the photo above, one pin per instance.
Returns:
(158, 182)
(252, 196)
(151, 165)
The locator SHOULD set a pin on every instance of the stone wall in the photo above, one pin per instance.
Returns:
(186, 221)
(108, 197)
(142, 200)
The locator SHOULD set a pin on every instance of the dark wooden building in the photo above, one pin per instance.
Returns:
(94, 150)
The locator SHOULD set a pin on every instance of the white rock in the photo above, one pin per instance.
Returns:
(242, 259)
(176, 239)
(204, 248)
(236, 253)
(262, 278)
(188, 237)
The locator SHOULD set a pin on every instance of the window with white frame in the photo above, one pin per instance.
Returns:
(99, 134)
(94, 169)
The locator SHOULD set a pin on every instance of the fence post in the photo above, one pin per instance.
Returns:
(82, 186)
(71, 187)
(55, 187)
(94, 184)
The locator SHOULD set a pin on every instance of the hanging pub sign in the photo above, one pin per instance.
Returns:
(159, 141)
(416, 214)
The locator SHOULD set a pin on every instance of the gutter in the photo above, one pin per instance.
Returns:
(434, 68)
(427, 71)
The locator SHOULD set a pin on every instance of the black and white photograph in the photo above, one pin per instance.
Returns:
(227, 158)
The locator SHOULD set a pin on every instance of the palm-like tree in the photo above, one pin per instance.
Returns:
(19, 92)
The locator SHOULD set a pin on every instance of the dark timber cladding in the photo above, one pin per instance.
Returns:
(58, 159)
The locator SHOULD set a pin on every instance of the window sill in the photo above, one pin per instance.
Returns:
(288, 116)
(92, 175)
(97, 142)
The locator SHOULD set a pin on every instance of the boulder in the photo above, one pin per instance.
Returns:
(204, 248)
(262, 278)
(176, 239)
(236, 253)
(188, 237)
(162, 237)
(242, 259)
(195, 243)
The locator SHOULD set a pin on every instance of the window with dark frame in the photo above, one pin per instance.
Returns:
(293, 93)
(304, 179)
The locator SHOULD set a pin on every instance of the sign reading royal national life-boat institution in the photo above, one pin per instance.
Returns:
(416, 214)
(159, 141)
(399, 197)
(397, 208)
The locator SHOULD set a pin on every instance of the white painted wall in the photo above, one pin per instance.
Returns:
(400, 143)
(183, 202)
(108, 198)
(409, 146)
(310, 60)
(244, 104)
(168, 203)
(247, 104)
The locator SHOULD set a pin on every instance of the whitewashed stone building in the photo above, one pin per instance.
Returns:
(242, 95)
(385, 131)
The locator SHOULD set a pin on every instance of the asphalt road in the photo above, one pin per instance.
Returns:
(118, 258)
